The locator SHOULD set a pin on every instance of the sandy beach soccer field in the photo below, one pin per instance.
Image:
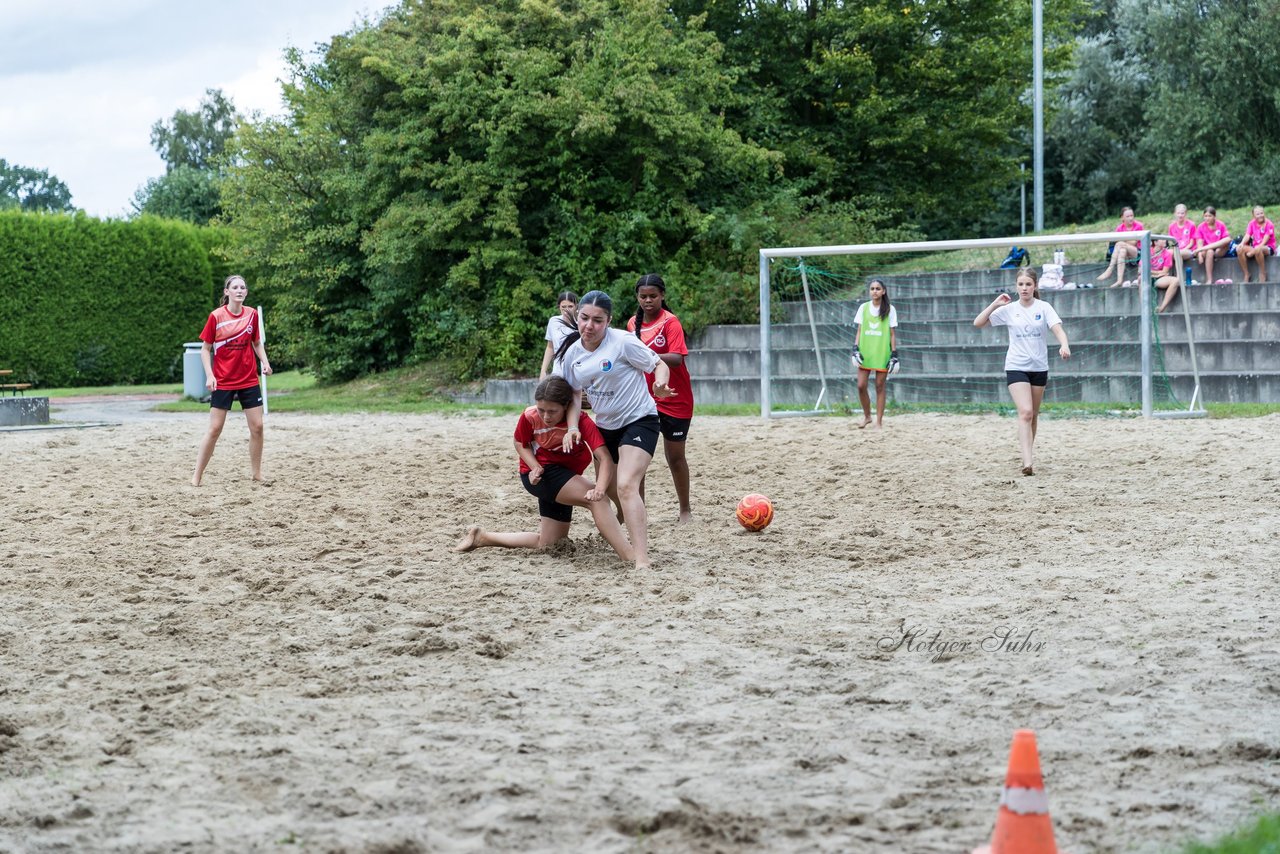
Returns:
(305, 665)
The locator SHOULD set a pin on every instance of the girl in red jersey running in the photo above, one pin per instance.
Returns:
(555, 476)
(231, 342)
(660, 330)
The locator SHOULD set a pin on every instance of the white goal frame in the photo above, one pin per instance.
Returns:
(1053, 240)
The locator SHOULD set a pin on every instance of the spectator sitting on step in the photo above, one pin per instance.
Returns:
(1212, 240)
(1258, 243)
(1162, 276)
(1183, 231)
(1123, 252)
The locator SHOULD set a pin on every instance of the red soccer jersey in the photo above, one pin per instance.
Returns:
(547, 441)
(234, 364)
(666, 335)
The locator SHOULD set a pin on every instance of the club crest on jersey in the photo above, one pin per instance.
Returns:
(660, 340)
(606, 366)
(1038, 317)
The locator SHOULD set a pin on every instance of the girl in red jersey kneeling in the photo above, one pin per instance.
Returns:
(555, 476)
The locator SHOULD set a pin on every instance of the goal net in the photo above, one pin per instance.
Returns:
(1125, 356)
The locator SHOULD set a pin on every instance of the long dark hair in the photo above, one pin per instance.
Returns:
(571, 297)
(650, 280)
(226, 283)
(884, 298)
(599, 298)
(554, 389)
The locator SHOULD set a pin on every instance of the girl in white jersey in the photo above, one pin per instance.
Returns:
(1026, 366)
(558, 329)
(610, 366)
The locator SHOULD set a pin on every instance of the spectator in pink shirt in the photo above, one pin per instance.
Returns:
(1259, 242)
(1162, 272)
(1124, 251)
(1183, 231)
(1212, 240)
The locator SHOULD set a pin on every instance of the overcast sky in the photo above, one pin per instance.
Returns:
(83, 81)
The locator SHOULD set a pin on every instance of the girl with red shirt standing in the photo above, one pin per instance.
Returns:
(231, 342)
(661, 331)
(555, 476)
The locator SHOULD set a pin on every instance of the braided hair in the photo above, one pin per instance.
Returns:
(652, 280)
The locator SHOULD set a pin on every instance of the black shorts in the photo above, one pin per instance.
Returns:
(641, 434)
(674, 429)
(1036, 378)
(547, 488)
(250, 398)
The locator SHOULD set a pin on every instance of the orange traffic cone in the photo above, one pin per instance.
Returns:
(1022, 822)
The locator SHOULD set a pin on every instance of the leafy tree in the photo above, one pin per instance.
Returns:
(1171, 101)
(193, 146)
(441, 175)
(30, 189)
(1214, 126)
(185, 193)
(1093, 167)
(197, 138)
(919, 103)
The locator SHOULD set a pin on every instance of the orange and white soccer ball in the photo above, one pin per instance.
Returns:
(755, 512)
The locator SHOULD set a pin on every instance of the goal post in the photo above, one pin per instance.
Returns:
(809, 295)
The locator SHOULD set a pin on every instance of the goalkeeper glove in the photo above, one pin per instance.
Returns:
(857, 358)
(893, 362)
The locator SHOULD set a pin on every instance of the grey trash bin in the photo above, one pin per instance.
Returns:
(193, 371)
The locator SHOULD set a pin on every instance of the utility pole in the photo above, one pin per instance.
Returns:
(1037, 168)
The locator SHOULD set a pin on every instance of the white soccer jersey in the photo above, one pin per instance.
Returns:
(557, 331)
(1028, 328)
(613, 377)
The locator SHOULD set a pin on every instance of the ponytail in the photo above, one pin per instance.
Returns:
(599, 298)
(571, 297)
(884, 298)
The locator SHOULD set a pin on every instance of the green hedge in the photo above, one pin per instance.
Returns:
(93, 302)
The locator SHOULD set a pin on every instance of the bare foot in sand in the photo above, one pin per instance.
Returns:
(1026, 470)
(470, 541)
(686, 516)
(864, 423)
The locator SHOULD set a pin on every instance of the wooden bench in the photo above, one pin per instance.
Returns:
(13, 388)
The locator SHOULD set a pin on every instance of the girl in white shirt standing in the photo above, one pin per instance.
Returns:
(610, 366)
(1026, 366)
(558, 329)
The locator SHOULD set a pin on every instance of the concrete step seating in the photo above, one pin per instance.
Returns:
(1236, 329)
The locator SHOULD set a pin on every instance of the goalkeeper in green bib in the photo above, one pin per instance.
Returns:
(875, 348)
